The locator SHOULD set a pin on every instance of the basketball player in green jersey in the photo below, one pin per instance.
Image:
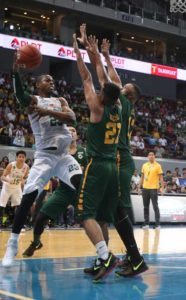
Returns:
(99, 187)
(77, 151)
(61, 198)
(134, 262)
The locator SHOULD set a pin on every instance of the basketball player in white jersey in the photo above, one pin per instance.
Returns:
(48, 117)
(13, 178)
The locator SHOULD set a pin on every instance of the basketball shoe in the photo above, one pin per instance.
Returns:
(11, 252)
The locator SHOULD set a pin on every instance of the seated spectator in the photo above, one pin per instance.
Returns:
(140, 146)
(183, 190)
(5, 160)
(168, 189)
(156, 134)
(181, 181)
(19, 139)
(177, 171)
(174, 177)
(162, 141)
(160, 151)
(135, 181)
(175, 188)
(168, 177)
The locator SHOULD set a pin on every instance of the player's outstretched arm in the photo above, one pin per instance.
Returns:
(100, 69)
(23, 97)
(83, 40)
(89, 91)
(105, 47)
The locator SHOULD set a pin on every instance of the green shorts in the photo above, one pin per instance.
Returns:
(58, 202)
(98, 195)
(126, 170)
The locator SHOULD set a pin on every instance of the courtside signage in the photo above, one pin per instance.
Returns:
(64, 52)
(164, 71)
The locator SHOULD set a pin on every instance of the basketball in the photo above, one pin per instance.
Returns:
(29, 56)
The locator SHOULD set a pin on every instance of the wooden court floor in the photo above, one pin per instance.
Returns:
(74, 243)
(56, 271)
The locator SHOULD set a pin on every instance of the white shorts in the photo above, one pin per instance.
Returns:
(46, 166)
(12, 194)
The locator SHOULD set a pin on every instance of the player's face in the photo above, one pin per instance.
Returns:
(73, 133)
(46, 84)
(20, 158)
(129, 91)
(151, 157)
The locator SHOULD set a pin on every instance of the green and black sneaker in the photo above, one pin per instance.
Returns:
(106, 266)
(125, 261)
(32, 248)
(132, 270)
(94, 269)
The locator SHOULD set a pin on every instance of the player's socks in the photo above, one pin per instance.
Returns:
(14, 236)
(106, 266)
(102, 250)
(125, 230)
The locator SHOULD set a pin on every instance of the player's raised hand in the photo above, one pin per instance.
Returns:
(105, 47)
(93, 44)
(75, 44)
(83, 38)
(16, 66)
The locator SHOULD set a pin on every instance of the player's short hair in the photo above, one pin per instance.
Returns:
(111, 93)
(153, 152)
(40, 78)
(20, 152)
(137, 91)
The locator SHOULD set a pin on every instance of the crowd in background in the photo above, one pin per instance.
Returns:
(174, 181)
(154, 9)
(160, 124)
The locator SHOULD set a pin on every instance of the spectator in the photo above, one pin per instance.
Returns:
(162, 141)
(168, 189)
(168, 177)
(135, 181)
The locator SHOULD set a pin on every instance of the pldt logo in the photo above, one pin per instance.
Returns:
(61, 52)
(15, 43)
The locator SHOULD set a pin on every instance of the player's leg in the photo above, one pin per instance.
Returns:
(94, 184)
(154, 198)
(146, 204)
(39, 175)
(56, 204)
(38, 205)
(4, 197)
(133, 261)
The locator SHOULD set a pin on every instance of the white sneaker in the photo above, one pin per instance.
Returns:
(11, 252)
(145, 226)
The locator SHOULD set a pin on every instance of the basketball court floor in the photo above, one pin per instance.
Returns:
(56, 271)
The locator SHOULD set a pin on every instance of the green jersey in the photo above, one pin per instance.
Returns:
(128, 118)
(81, 156)
(102, 137)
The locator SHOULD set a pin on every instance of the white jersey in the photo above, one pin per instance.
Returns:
(50, 133)
(16, 175)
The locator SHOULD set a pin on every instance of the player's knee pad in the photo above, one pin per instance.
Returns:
(75, 180)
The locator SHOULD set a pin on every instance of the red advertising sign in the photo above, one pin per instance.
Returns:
(164, 71)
